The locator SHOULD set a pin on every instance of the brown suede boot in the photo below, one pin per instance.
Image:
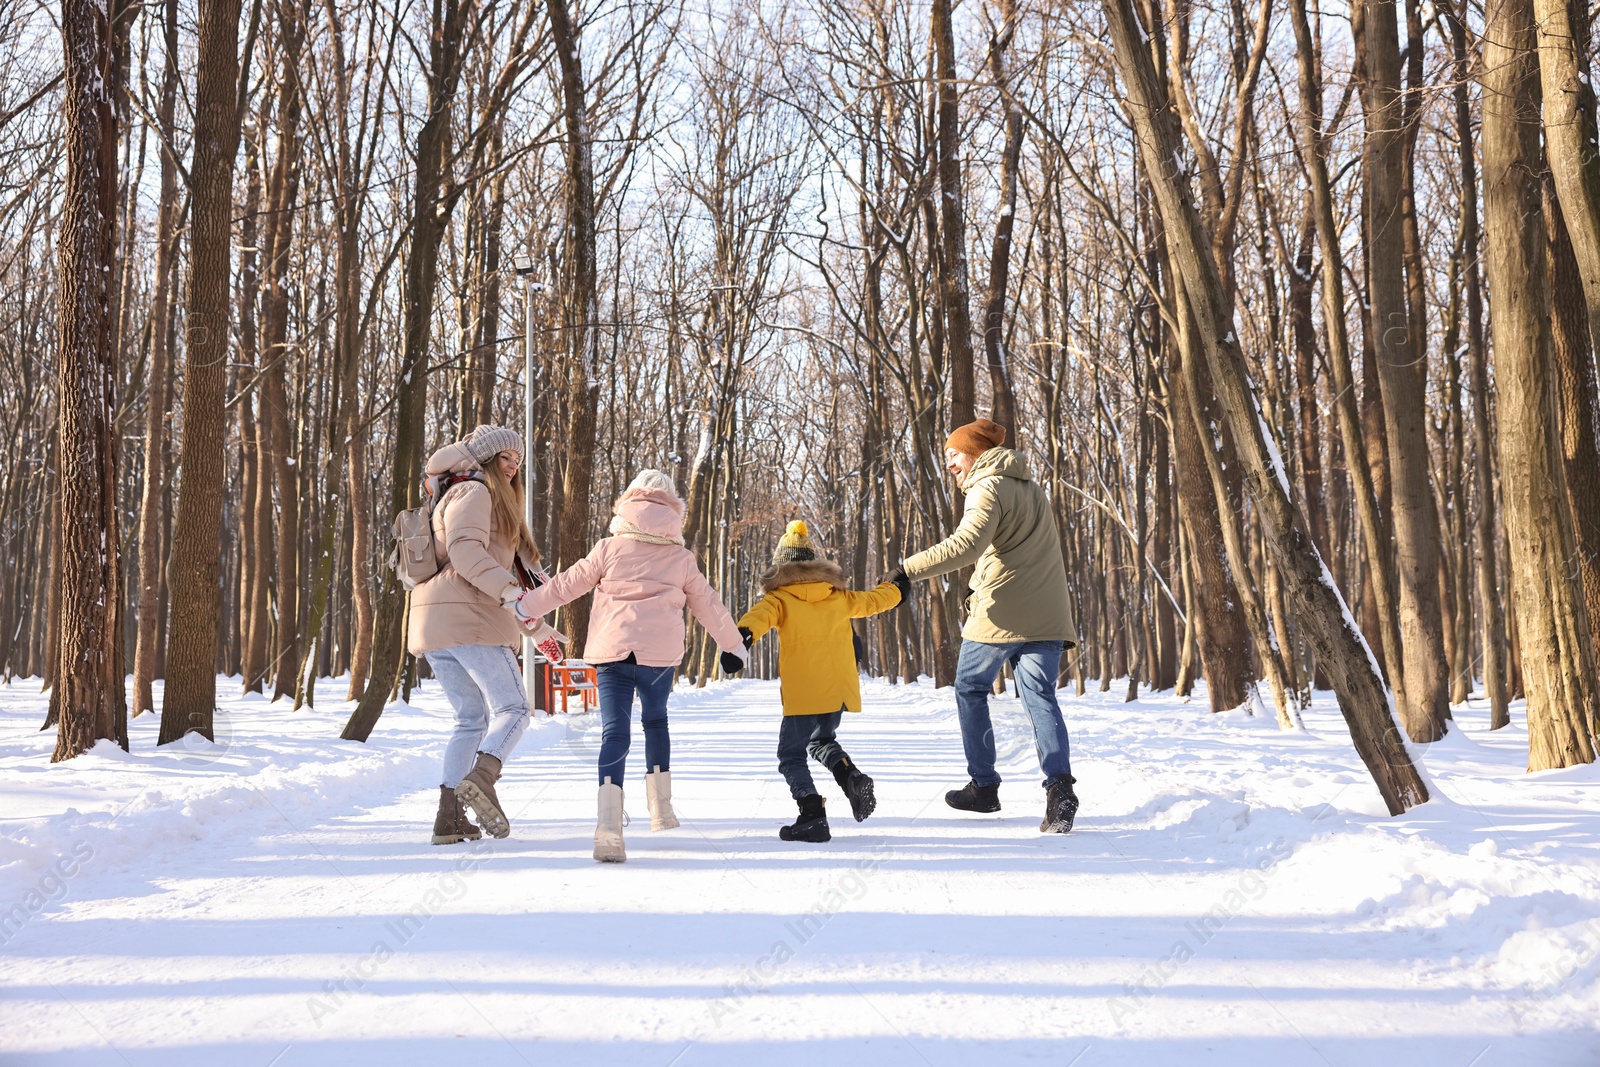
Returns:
(477, 792)
(451, 825)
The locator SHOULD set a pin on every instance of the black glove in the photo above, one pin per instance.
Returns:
(749, 638)
(901, 582)
(731, 664)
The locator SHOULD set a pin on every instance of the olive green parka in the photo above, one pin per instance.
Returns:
(1008, 533)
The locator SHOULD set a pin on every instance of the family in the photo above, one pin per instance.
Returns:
(490, 590)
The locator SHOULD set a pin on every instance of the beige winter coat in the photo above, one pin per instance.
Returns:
(1019, 584)
(462, 604)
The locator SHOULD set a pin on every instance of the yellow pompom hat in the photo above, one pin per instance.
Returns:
(795, 544)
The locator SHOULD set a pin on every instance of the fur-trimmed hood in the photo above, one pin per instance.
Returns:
(799, 572)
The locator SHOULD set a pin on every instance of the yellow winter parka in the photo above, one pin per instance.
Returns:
(809, 606)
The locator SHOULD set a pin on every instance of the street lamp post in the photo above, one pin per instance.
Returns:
(524, 266)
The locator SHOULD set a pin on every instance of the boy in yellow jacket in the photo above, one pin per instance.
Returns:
(808, 602)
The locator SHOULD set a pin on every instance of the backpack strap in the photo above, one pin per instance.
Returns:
(440, 484)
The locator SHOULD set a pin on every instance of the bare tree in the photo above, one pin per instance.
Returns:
(190, 697)
(88, 699)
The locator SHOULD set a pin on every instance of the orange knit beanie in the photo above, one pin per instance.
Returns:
(976, 438)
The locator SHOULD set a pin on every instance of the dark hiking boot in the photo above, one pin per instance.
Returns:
(1060, 807)
(974, 797)
(857, 787)
(812, 825)
(451, 825)
(477, 792)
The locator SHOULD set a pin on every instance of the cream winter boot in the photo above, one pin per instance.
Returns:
(658, 791)
(608, 846)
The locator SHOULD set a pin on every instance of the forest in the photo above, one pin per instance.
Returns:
(1293, 308)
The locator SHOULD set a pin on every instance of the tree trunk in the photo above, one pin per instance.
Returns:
(1222, 636)
(411, 390)
(1575, 399)
(582, 313)
(1484, 525)
(1403, 381)
(1004, 400)
(1570, 136)
(1375, 535)
(89, 699)
(1556, 649)
(955, 288)
(160, 377)
(282, 193)
(190, 697)
(1363, 698)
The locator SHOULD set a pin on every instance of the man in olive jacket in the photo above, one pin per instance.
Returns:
(1020, 612)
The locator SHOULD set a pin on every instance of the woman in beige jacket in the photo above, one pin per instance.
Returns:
(464, 619)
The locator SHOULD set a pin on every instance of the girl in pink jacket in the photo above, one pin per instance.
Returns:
(642, 578)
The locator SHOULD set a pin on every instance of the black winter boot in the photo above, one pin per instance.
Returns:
(857, 787)
(812, 825)
(974, 797)
(1060, 806)
(451, 825)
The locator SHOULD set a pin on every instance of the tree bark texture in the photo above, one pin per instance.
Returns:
(1375, 535)
(1402, 376)
(1222, 634)
(1003, 396)
(190, 697)
(88, 699)
(955, 286)
(151, 579)
(1556, 649)
(1575, 400)
(582, 313)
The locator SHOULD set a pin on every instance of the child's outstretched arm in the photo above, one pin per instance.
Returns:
(565, 587)
(712, 612)
(873, 601)
(765, 615)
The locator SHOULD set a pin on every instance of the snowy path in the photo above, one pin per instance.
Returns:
(1232, 895)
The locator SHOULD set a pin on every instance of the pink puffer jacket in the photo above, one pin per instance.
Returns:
(640, 588)
(461, 605)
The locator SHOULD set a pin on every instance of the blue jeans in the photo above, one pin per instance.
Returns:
(484, 686)
(1036, 665)
(800, 734)
(617, 683)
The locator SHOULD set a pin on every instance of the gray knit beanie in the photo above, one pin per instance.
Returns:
(488, 442)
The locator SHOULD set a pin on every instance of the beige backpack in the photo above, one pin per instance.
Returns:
(415, 556)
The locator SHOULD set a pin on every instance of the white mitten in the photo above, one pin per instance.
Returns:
(548, 640)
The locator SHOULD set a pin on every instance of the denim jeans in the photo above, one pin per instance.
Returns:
(800, 734)
(618, 682)
(484, 686)
(1036, 666)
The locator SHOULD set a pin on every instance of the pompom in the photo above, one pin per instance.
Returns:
(798, 527)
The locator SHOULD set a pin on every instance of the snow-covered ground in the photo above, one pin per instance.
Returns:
(1232, 894)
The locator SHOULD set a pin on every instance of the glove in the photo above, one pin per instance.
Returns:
(514, 601)
(749, 638)
(548, 640)
(898, 578)
(732, 662)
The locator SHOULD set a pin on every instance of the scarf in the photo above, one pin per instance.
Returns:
(621, 527)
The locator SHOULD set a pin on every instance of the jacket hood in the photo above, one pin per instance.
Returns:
(452, 457)
(823, 574)
(999, 463)
(654, 511)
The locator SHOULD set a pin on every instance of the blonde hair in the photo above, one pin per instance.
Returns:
(506, 505)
